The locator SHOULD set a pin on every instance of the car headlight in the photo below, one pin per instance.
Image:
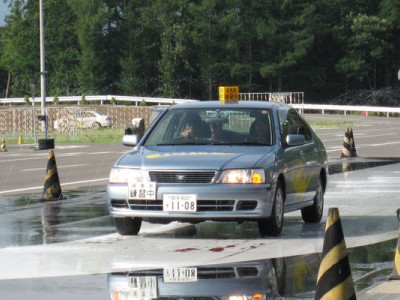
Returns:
(244, 297)
(121, 175)
(253, 176)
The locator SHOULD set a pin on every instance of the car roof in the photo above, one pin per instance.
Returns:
(239, 104)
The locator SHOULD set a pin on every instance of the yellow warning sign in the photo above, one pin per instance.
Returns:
(228, 94)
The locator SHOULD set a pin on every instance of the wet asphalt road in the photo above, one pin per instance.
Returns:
(88, 165)
(83, 171)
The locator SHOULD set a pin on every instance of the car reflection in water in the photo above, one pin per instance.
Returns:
(277, 278)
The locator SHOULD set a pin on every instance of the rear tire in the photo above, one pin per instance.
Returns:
(128, 226)
(273, 225)
(313, 213)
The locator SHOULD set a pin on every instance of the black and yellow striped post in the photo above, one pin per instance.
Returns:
(334, 277)
(396, 267)
(349, 147)
(3, 147)
(52, 187)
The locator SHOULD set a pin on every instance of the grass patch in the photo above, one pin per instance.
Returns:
(318, 124)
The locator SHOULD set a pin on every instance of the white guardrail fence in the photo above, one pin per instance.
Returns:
(296, 99)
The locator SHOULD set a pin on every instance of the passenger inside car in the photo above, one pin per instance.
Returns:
(260, 129)
(194, 127)
(216, 129)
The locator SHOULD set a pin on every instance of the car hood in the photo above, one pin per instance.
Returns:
(195, 157)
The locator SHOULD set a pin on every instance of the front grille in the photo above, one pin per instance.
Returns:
(215, 273)
(218, 272)
(226, 272)
(202, 205)
(146, 204)
(181, 176)
(119, 203)
(246, 205)
(215, 205)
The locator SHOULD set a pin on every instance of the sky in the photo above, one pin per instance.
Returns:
(3, 11)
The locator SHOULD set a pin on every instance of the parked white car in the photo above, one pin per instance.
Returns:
(84, 120)
(92, 119)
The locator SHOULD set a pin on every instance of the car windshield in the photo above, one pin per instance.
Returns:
(212, 126)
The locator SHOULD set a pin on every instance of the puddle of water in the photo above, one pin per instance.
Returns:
(372, 264)
(26, 221)
(356, 163)
(290, 277)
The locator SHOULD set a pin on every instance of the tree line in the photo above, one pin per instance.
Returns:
(186, 49)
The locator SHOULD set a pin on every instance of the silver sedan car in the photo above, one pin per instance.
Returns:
(244, 161)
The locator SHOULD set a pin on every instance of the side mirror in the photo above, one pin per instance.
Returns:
(295, 140)
(130, 140)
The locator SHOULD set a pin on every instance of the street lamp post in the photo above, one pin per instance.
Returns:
(34, 112)
(42, 69)
(43, 143)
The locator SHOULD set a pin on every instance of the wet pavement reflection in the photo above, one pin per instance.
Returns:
(348, 164)
(261, 279)
(28, 221)
(83, 214)
(277, 278)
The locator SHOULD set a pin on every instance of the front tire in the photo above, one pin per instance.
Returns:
(128, 226)
(273, 225)
(313, 213)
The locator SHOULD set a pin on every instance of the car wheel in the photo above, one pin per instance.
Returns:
(96, 125)
(272, 226)
(128, 226)
(280, 274)
(313, 213)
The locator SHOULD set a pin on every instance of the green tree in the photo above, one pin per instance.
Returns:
(288, 35)
(140, 49)
(61, 48)
(390, 10)
(210, 35)
(175, 45)
(20, 54)
(244, 45)
(99, 39)
(368, 44)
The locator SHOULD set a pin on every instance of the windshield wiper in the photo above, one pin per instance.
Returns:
(183, 144)
(248, 143)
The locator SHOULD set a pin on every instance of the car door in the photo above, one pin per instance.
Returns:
(308, 180)
(293, 160)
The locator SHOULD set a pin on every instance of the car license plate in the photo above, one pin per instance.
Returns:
(142, 190)
(180, 202)
(180, 274)
(143, 287)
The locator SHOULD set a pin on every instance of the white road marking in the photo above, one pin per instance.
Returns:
(63, 184)
(58, 167)
(40, 156)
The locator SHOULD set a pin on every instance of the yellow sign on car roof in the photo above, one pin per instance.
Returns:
(228, 94)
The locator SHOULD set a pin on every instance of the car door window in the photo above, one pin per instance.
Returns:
(292, 123)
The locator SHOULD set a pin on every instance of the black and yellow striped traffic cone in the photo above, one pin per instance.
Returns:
(3, 147)
(349, 147)
(396, 267)
(52, 187)
(334, 277)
